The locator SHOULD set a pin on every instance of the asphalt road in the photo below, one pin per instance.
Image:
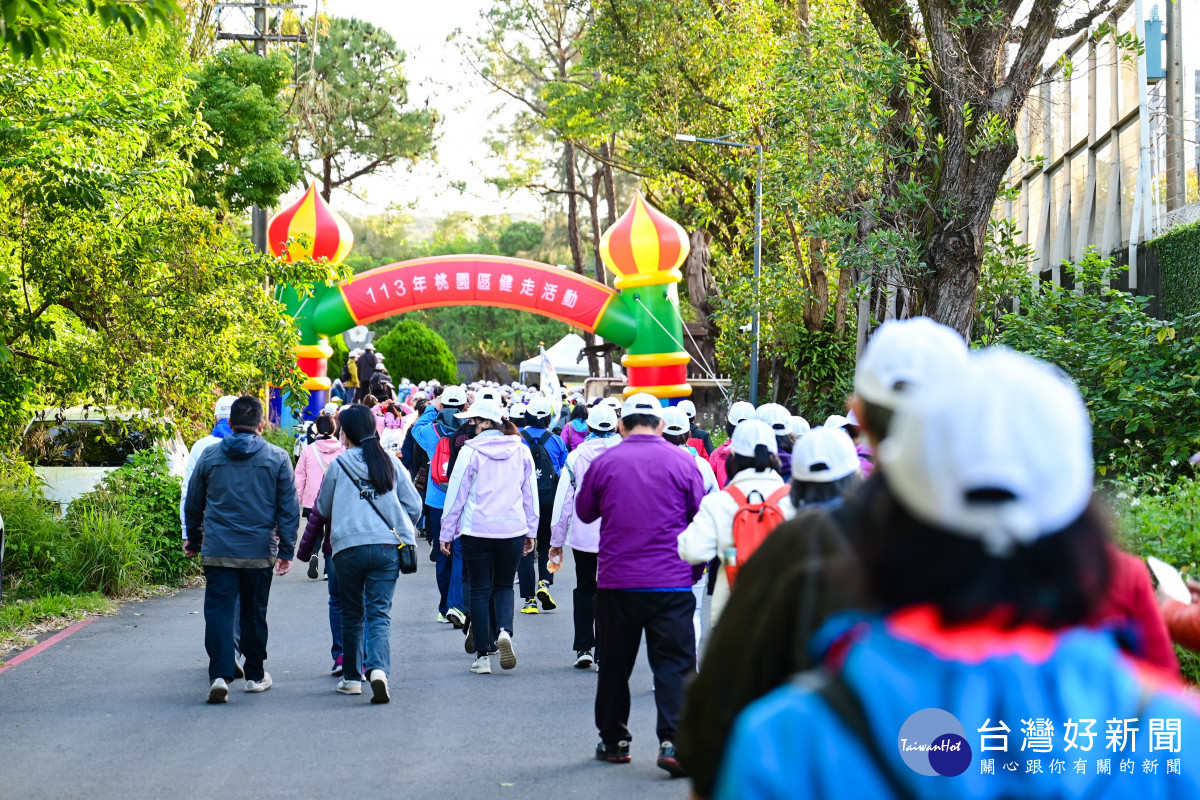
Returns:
(117, 711)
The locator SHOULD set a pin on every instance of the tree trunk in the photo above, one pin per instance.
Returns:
(610, 184)
(326, 178)
(575, 240)
(594, 208)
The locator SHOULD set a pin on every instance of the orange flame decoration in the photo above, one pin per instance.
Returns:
(644, 247)
(327, 234)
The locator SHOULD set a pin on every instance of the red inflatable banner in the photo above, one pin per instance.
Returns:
(476, 280)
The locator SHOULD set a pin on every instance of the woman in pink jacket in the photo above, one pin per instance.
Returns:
(492, 503)
(311, 467)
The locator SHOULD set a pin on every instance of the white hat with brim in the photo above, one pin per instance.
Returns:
(483, 409)
(224, 407)
(739, 412)
(824, 455)
(688, 408)
(776, 416)
(749, 435)
(642, 403)
(677, 421)
(904, 354)
(800, 426)
(601, 418)
(454, 396)
(539, 407)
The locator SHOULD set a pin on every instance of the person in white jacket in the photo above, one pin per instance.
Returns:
(583, 537)
(219, 432)
(753, 468)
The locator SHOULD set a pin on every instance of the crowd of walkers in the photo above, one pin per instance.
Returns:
(937, 546)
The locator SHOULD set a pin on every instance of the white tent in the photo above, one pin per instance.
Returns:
(563, 355)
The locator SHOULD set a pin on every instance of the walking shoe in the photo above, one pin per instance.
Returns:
(442, 618)
(456, 617)
(482, 666)
(349, 687)
(543, 594)
(508, 659)
(219, 691)
(617, 753)
(469, 644)
(583, 659)
(260, 685)
(667, 760)
(530, 606)
(337, 667)
(312, 567)
(379, 686)
(238, 672)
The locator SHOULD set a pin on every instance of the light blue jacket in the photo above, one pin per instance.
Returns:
(423, 431)
(352, 520)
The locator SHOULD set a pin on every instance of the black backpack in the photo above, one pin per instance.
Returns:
(547, 476)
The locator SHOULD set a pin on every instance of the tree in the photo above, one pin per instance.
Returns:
(350, 116)
(237, 94)
(30, 28)
(413, 351)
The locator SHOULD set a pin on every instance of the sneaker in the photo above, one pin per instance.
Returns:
(349, 687)
(482, 666)
(442, 618)
(238, 672)
(530, 606)
(583, 659)
(543, 594)
(469, 644)
(456, 617)
(667, 760)
(508, 659)
(379, 686)
(219, 691)
(312, 567)
(617, 753)
(337, 667)
(260, 685)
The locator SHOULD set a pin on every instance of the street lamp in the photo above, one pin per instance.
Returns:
(724, 141)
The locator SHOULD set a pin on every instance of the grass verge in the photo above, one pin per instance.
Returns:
(21, 621)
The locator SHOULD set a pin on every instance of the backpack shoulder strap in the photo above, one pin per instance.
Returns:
(737, 494)
(777, 496)
(528, 439)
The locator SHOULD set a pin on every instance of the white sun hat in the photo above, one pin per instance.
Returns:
(483, 409)
(835, 421)
(687, 407)
(903, 354)
(776, 416)
(824, 455)
(224, 407)
(739, 412)
(539, 407)
(800, 426)
(602, 418)
(749, 435)
(454, 396)
(677, 421)
(641, 403)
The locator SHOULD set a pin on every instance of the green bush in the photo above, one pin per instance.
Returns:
(1178, 253)
(413, 351)
(1137, 374)
(38, 558)
(108, 553)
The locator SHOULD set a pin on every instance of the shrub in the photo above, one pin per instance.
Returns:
(413, 351)
(37, 558)
(1137, 374)
(108, 554)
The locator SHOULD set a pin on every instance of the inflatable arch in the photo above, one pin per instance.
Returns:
(643, 250)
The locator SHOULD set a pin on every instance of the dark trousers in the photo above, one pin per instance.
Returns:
(526, 573)
(666, 617)
(584, 598)
(225, 587)
(366, 576)
(491, 564)
(448, 568)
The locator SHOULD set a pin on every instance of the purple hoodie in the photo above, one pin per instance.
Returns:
(574, 433)
(645, 491)
(493, 490)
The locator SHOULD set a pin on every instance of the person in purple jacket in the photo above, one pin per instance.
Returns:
(644, 491)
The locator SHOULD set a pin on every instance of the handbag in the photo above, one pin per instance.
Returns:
(408, 552)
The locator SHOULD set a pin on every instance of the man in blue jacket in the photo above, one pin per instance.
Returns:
(242, 515)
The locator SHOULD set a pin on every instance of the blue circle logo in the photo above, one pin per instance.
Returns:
(933, 742)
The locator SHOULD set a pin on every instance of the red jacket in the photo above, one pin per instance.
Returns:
(1130, 604)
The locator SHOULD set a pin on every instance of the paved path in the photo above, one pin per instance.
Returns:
(117, 711)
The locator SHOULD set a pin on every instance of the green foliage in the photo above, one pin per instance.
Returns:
(1178, 253)
(30, 29)
(413, 351)
(338, 360)
(282, 438)
(108, 550)
(237, 94)
(51, 610)
(1137, 374)
(37, 558)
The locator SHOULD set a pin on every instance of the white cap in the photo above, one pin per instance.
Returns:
(488, 394)
(687, 407)
(575, 397)
(749, 435)
(602, 418)
(776, 416)
(612, 402)
(454, 396)
(835, 421)
(539, 407)
(903, 354)
(800, 426)
(739, 412)
(224, 407)
(331, 409)
(825, 455)
(518, 410)
(482, 409)
(641, 403)
(1004, 422)
(677, 421)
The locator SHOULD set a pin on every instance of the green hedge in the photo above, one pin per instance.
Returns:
(1178, 253)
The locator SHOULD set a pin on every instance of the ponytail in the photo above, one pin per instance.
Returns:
(358, 424)
(762, 457)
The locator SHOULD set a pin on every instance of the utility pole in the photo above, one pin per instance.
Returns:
(1176, 174)
(260, 37)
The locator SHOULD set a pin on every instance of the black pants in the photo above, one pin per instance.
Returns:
(492, 563)
(225, 586)
(526, 574)
(666, 617)
(584, 598)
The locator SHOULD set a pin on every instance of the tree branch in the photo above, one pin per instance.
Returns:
(32, 357)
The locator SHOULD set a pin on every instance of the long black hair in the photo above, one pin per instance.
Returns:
(358, 425)
(806, 493)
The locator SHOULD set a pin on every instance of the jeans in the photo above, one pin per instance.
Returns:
(492, 564)
(366, 581)
(335, 615)
(584, 598)
(448, 567)
(542, 552)
(225, 587)
(666, 618)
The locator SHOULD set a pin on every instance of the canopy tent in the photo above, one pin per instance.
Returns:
(565, 358)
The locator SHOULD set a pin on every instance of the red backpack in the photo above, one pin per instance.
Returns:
(439, 465)
(752, 522)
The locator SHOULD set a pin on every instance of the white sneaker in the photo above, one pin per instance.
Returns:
(260, 686)
(379, 686)
(219, 691)
(349, 687)
(482, 666)
(583, 659)
(508, 659)
(456, 618)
